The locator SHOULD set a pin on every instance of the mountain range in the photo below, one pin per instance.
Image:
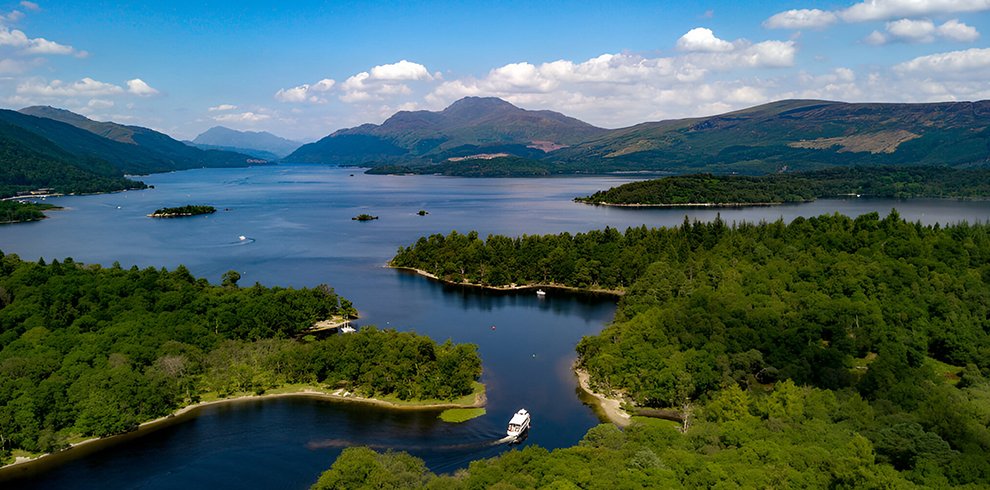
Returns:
(55, 148)
(261, 144)
(779, 136)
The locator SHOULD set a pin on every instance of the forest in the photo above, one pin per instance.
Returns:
(859, 181)
(94, 351)
(187, 210)
(20, 212)
(781, 343)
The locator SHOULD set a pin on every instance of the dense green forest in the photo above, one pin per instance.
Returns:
(884, 324)
(889, 182)
(86, 350)
(511, 166)
(19, 212)
(187, 210)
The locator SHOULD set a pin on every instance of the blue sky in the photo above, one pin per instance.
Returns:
(305, 69)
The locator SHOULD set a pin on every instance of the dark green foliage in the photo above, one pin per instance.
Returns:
(18, 212)
(855, 307)
(187, 210)
(86, 350)
(476, 167)
(889, 182)
(31, 162)
(364, 217)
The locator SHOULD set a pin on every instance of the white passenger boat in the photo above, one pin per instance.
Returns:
(518, 424)
(541, 293)
(347, 329)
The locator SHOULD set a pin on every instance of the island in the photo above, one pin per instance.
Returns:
(182, 211)
(423, 212)
(12, 211)
(364, 217)
(740, 190)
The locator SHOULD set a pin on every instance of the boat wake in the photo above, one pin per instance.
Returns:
(341, 443)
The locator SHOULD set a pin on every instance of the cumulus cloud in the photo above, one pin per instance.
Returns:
(243, 117)
(967, 61)
(34, 7)
(704, 40)
(222, 107)
(801, 19)
(87, 87)
(923, 31)
(140, 88)
(17, 39)
(402, 70)
(312, 93)
(892, 9)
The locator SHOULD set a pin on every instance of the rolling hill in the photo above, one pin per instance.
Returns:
(131, 149)
(472, 125)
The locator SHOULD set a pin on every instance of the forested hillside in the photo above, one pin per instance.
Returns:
(884, 323)
(889, 182)
(86, 350)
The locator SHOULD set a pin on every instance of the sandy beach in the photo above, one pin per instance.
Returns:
(524, 287)
(611, 407)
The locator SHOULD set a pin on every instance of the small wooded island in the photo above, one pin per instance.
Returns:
(22, 211)
(182, 211)
(364, 217)
(740, 190)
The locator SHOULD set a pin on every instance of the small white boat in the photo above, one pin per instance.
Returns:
(242, 238)
(347, 329)
(518, 424)
(541, 293)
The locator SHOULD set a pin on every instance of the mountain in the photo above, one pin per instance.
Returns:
(472, 125)
(130, 149)
(797, 134)
(30, 161)
(256, 143)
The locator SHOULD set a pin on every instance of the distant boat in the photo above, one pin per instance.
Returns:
(541, 293)
(347, 329)
(518, 424)
(242, 238)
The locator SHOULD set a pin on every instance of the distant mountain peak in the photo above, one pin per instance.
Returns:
(222, 137)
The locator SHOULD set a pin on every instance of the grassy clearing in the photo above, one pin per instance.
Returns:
(947, 371)
(458, 415)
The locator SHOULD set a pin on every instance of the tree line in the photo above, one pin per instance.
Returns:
(888, 316)
(886, 182)
(87, 350)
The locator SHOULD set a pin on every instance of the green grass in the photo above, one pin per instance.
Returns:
(655, 422)
(947, 371)
(458, 415)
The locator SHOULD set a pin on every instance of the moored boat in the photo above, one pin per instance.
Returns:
(541, 293)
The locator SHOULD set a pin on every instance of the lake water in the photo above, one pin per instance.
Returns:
(296, 220)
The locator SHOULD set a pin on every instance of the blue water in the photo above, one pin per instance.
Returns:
(298, 232)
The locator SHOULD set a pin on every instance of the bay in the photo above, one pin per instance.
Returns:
(297, 229)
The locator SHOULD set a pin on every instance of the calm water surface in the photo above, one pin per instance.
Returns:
(296, 220)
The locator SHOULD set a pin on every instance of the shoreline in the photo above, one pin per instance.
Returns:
(692, 204)
(608, 406)
(23, 464)
(524, 287)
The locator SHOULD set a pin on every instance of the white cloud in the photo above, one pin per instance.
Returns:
(87, 87)
(801, 19)
(703, 39)
(890, 9)
(966, 61)
(15, 38)
(401, 70)
(30, 6)
(222, 107)
(99, 104)
(923, 31)
(41, 45)
(957, 31)
(244, 117)
(306, 92)
(140, 88)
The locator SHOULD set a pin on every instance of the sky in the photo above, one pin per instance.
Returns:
(304, 69)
